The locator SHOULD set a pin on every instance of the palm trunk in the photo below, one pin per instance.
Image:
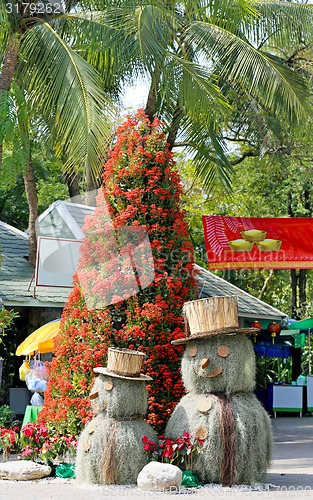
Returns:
(32, 199)
(174, 127)
(72, 182)
(153, 96)
(91, 187)
(9, 62)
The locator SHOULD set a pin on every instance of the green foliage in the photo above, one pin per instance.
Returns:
(6, 415)
(14, 135)
(53, 81)
(50, 182)
(6, 320)
(307, 356)
(141, 190)
(14, 206)
(270, 370)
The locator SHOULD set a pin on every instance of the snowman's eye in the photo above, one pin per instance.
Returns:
(192, 351)
(108, 385)
(223, 351)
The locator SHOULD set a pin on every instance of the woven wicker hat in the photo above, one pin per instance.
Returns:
(211, 316)
(124, 363)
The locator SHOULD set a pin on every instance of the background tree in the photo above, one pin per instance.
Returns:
(195, 55)
(42, 74)
(260, 189)
(190, 52)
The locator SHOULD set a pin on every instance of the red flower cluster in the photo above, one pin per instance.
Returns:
(39, 443)
(177, 451)
(140, 195)
(8, 439)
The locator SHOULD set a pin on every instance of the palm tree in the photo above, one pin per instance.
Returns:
(195, 54)
(41, 74)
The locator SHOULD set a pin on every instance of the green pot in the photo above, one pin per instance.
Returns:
(65, 470)
(190, 479)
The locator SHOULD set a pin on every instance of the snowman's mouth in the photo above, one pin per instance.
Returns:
(215, 373)
(218, 371)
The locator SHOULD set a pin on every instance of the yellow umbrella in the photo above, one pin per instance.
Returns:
(40, 340)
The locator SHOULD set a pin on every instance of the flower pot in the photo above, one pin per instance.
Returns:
(65, 470)
(190, 479)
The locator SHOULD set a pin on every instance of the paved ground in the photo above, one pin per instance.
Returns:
(291, 475)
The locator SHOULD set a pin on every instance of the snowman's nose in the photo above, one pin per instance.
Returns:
(204, 362)
(215, 373)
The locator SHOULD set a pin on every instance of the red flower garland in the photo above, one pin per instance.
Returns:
(141, 190)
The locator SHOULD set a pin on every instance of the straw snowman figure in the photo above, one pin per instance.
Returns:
(218, 370)
(110, 447)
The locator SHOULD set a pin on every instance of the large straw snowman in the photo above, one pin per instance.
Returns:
(110, 449)
(218, 370)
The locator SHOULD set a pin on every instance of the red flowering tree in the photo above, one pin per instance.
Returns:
(109, 305)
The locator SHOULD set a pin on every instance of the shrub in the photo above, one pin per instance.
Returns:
(6, 415)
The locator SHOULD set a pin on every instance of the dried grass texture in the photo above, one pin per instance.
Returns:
(238, 368)
(253, 436)
(126, 398)
(111, 451)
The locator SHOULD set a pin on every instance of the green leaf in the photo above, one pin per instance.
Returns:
(279, 88)
(65, 88)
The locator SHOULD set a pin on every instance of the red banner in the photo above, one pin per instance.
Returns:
(263, 243)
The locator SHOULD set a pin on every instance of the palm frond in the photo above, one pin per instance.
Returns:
(280, 88)
(7, 115)
(133, 32)
(208, 152)
(199, 90)
(14, 137)
(282, 23)
(63, 85)
(110, 42)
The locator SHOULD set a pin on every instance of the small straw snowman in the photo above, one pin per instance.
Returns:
(110, 449)
(218, 371)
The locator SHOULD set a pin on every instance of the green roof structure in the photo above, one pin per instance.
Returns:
(16, 274)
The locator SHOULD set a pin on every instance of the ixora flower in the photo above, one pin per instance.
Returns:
(179, 451)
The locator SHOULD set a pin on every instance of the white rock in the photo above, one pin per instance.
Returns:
(23, 470)
(157, 476)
